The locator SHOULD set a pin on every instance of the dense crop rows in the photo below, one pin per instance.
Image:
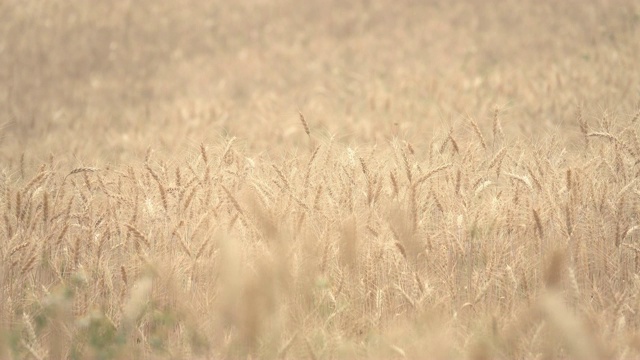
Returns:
(274, 189)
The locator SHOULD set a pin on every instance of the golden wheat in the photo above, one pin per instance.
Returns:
(208, 227)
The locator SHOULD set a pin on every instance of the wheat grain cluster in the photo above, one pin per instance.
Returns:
(425, 189)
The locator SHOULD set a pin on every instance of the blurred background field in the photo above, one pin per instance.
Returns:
(105, 79)
(319, 179)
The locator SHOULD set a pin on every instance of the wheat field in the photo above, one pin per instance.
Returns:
(272, 179)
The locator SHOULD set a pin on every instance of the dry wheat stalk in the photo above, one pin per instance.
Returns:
(189, 198)
(407, 167)
(29, 263)
(77, 248)
(281, 175)
(431, 173)
(202, 247)
(538, 223)
(304, 124)
(476, 130)
(497, 127)
(445, 142)
(535, 178)
(35, 181)
(203, 153)
(18, 248)
(139, 236)
(62, 234)
(521, 179)
(226, 154)
(18, 206)
(123, 275)
(454, 144)
(8, 226)
(103, 240)
(233, 200)
(394, 183)
(497, 160)
(80, 170)
(604, 135)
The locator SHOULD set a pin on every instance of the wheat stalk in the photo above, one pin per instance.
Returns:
(476, 130)
(304, 124)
